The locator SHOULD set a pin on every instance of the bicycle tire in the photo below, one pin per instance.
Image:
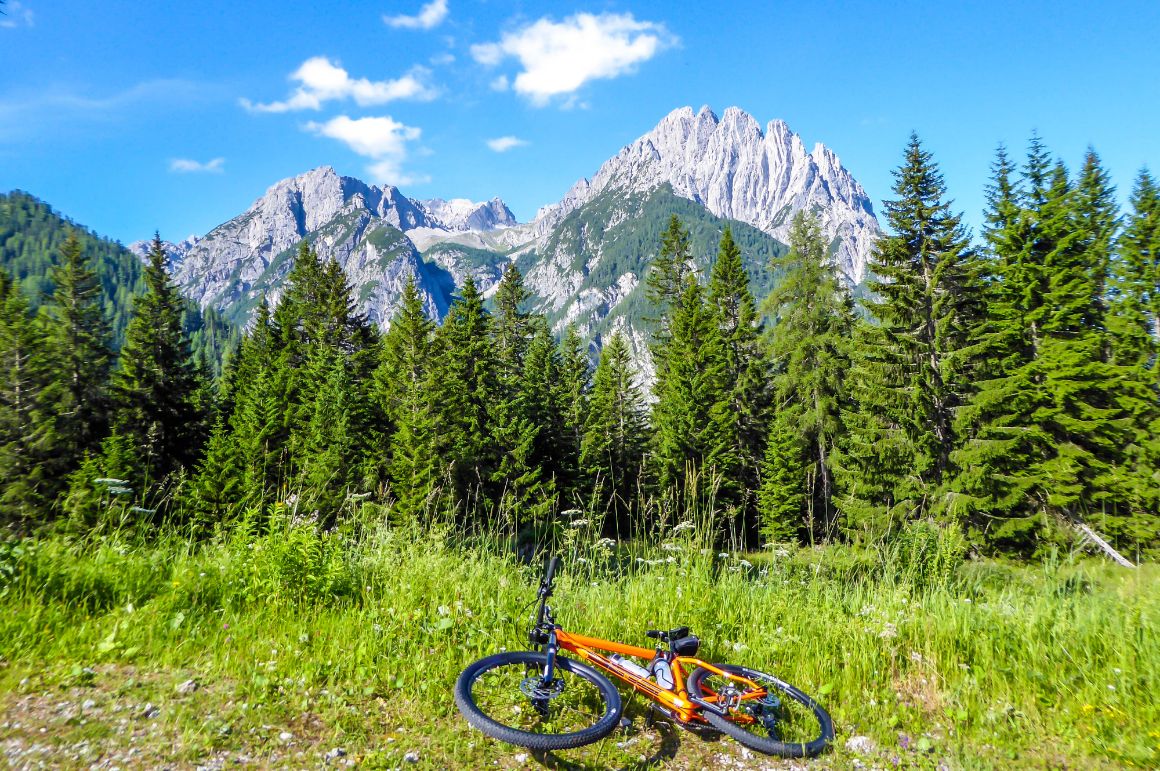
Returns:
(753, 740)
(612, 706)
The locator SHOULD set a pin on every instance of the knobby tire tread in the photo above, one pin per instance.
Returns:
(759, 743)
(478, 719)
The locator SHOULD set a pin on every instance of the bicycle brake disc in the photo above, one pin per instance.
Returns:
(537, 690)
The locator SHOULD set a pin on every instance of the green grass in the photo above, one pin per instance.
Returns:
(355, 641)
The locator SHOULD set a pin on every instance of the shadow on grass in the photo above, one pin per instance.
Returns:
(666, 749)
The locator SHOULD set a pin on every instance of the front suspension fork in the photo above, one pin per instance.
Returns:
(550, 649)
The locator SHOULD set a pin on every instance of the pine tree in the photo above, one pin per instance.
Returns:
(157, 386)
(613, 447)
(404, 385)
(926, 303)
(743, 372)
(25, 417)
(78, 338)
(812, 321)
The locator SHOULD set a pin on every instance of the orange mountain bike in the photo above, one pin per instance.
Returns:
(545, 701)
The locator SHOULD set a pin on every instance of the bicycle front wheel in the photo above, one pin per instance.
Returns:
(507, 697)
(774, 718)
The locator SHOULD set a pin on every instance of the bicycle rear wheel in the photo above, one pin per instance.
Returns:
(507, 698)
(775, 718)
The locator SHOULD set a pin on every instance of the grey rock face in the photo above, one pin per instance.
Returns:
(460, 214)
(382, 238)
(359, 225)
(737, 171)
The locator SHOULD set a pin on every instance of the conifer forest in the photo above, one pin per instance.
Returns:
(891, 490)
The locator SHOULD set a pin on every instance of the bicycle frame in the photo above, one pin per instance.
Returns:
(674, 701)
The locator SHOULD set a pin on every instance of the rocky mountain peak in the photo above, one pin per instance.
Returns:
(462, 214)
(734, 169)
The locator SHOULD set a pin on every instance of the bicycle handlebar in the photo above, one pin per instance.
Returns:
(550, 574)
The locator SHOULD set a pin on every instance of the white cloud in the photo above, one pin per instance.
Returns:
(503, 144)
(430, 16)
(322, 80)
(500, 83)
(382, 139)
(16, 15)
(187, 166)
(560, 57)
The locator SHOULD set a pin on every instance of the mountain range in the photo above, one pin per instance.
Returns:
(584, 257)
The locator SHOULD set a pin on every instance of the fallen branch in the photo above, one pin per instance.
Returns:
(1100, 542)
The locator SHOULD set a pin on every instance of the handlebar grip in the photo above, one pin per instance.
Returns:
(550, 573)
(653, 633)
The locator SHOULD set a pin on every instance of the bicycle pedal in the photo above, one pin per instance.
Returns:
(626, 723)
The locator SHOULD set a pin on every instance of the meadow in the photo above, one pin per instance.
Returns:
(288, 646)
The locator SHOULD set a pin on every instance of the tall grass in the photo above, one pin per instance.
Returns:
(983, 663)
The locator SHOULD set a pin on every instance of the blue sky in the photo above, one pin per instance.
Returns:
(135, 116)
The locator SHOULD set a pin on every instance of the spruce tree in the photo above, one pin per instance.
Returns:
(516, 478)
(545, 404)
(744, 370)
(665, 282)
(1050, 428)
(156, 388)
(405, 387)
(216, 491)
(1134, 331)
(574, 392)
(926, 301)
(328, 447)
(78, 338)
(1136, 281)
(812, 321)
(692, 421)
(464, 385)
(613, 447)
(783, 503)
(257, 426)
(26, 430)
